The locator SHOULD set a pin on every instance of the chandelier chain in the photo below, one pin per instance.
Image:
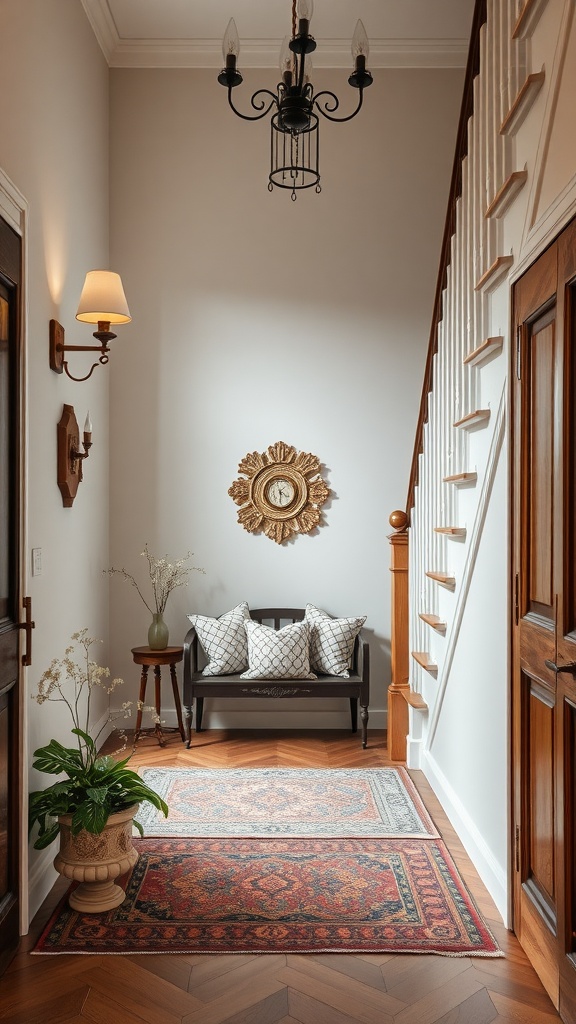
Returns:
(293, 18)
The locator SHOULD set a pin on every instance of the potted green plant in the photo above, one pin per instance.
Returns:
(92, 809)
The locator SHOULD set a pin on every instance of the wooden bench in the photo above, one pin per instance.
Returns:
(198, 686)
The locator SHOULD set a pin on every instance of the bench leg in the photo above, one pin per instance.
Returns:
(199, 710)
(364, 718)
(176, 695)
(354, 713)
(188, 711)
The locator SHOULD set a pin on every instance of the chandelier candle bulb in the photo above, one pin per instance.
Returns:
(305, 12)
(231, 45)
(87, 428)
(360, 45)
(286, 61)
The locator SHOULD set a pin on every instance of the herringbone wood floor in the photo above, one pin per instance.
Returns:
(272, 989)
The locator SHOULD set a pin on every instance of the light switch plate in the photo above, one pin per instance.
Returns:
(36, 561)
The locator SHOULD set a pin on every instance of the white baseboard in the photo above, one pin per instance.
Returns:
(41, 879)
(491, 872)
(247, 718)
(413, 752)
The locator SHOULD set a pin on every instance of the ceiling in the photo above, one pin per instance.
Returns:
(186, 33)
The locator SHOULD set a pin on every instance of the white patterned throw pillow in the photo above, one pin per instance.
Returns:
(278, 653)
(331, 641)
(223, 641)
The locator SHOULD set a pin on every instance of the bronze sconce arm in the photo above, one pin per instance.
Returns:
(58, 348)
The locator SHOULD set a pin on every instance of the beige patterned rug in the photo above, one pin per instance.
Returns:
(334, 803)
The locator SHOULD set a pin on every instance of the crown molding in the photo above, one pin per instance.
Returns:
(103, 26)
(263, 53)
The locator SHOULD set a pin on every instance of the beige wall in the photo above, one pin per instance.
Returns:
(258, 319)
(54, 147)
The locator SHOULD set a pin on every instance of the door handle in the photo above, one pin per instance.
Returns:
(28, 625)
(571, 667)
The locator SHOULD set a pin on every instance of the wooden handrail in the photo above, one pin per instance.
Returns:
(466, 110)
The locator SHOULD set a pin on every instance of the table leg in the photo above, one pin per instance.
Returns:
(157, 681)
(177, 705)
(141, 701)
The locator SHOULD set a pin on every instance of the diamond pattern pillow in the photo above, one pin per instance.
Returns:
(331, 641)
(223, 641)
(278, 653)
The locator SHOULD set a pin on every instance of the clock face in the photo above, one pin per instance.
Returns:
(280, 492)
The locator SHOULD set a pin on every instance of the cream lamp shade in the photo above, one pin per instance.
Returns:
(103, 299)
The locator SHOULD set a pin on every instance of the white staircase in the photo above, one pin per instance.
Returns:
(503, 211)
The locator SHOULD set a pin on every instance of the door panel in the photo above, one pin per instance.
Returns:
(544, 639)
(539, 880)
(540, 492)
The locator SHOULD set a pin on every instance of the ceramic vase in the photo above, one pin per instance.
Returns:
(96, 860)
(158, 633)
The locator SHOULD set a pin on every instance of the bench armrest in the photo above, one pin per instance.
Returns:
(363, 656)
(190, 654)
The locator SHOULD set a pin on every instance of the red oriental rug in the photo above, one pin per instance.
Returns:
(278, 895)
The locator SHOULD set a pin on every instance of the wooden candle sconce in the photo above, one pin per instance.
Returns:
(70, 458)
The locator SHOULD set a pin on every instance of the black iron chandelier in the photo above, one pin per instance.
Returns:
(294, 140)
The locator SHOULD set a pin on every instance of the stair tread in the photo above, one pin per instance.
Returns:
(507, 193)
(492, 275)
(488, 348)
(415, 700)
(461, 478)
(442, 577)
(528, 18)
(521, 105)
(451, 531)
(424, 659)
(473, 419)
(434, 621)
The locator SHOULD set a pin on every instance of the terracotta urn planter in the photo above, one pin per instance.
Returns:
(95, 861)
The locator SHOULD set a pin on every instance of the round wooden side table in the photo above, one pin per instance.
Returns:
(146, 657)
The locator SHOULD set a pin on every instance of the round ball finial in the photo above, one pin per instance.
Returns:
(398, 520)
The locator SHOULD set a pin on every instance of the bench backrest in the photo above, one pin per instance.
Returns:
(277, 617)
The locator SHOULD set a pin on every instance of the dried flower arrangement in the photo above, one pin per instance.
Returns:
(165, 577)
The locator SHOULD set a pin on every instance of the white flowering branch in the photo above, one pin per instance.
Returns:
(83, 676)
(165, 577)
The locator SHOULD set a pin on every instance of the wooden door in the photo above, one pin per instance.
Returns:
(11, 469)
(544, 624)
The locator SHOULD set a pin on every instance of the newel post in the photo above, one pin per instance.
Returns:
(397, 704)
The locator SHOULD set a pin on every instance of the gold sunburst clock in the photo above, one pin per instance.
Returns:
(280, 492)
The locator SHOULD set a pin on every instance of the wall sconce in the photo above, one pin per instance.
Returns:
(102, 302)
(70, 458)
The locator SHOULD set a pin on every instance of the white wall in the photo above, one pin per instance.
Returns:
(258, 319)
(54, 147)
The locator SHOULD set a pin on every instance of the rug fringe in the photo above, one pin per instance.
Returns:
(267, 952)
